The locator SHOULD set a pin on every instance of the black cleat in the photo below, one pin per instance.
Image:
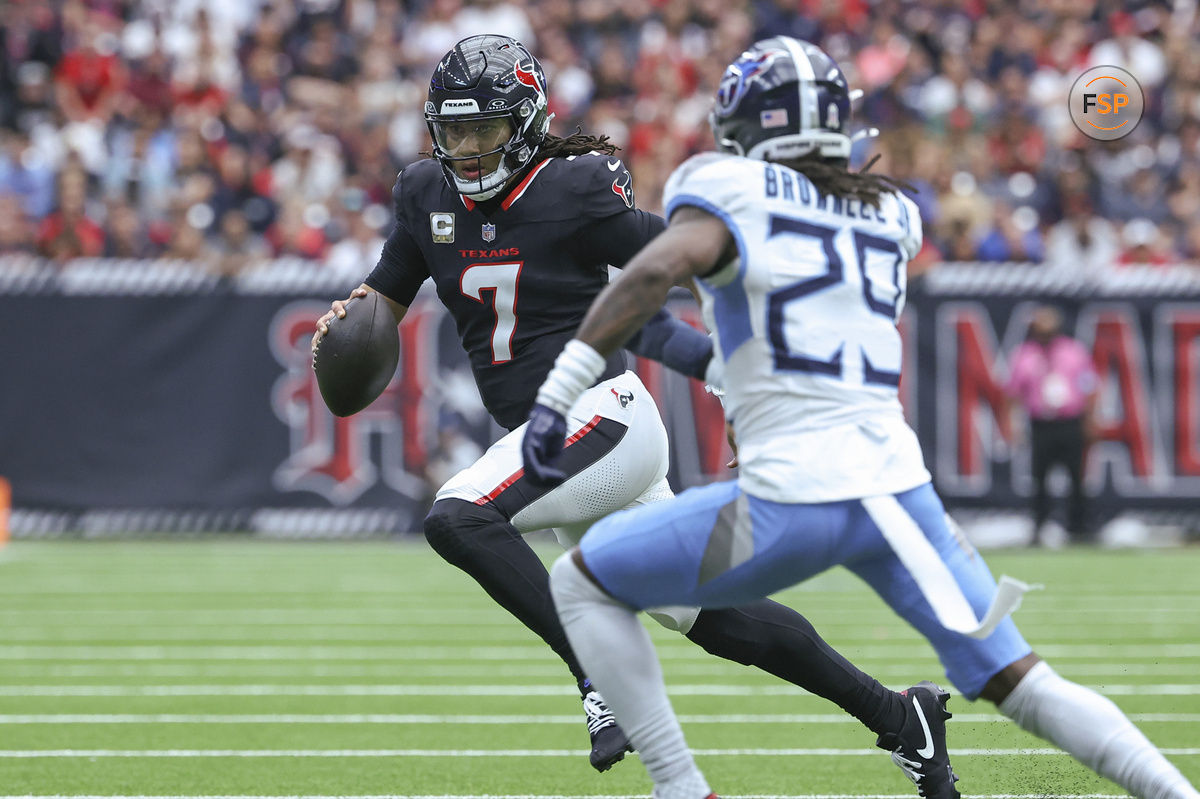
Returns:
(609, 743)
(919, 748)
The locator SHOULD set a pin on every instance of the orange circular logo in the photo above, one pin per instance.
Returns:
(1106, 103)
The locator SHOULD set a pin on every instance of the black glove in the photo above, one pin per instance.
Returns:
(543, 444)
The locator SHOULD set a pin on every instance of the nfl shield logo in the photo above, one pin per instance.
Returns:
(489, 232)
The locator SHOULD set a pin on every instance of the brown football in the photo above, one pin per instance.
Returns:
(357, 357)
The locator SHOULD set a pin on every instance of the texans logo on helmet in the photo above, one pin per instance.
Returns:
(737, 77)
(527, 75)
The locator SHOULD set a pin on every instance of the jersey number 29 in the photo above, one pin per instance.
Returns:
(501, 280)
(835, 273)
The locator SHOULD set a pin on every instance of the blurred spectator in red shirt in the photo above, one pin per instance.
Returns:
(68, 232)
(89, 79)
(149, 84)
(1016, 144)
(299, 231)
(1144, 245)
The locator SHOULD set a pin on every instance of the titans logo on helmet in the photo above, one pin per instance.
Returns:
(738, 75)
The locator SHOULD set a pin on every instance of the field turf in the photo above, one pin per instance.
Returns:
(241, 668)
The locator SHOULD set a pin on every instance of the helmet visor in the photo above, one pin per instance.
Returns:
(475, 146)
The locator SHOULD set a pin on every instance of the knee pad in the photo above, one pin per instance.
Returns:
(679, 618)
(453, 524)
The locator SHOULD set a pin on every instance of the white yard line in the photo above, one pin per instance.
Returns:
(558, 689)
(472, 651)
(410, 634)
(569, 719)
(490, 671)
(506, 753)
(551, 796)
(447, 615)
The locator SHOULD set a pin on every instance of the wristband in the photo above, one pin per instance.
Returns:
(575, 370)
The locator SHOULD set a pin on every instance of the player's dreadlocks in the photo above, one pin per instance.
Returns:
(832, 177)
(578, 143)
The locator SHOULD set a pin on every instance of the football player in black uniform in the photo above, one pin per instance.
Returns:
(517, 228)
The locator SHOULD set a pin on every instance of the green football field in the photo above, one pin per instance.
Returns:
(240, 668)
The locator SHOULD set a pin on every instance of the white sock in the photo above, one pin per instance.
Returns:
(1094, 730)
(618, 657)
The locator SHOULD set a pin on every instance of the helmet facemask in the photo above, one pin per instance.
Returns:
(476, 152)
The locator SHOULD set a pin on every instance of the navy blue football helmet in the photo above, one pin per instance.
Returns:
(487, 113)
(782, 99)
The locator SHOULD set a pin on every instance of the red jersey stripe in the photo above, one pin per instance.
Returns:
(524, 184)
(519, 473)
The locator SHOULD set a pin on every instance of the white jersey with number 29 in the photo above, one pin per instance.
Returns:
(805, 320)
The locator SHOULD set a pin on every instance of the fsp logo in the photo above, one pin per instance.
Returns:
(1106, 103)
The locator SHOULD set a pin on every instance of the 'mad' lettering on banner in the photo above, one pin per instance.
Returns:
(1147, 417)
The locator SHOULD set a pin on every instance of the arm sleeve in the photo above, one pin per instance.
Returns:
(614, 228)
(401, 268)
(617, 238)
(674, 344)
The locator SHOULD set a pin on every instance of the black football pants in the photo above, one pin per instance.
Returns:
(1058, 442)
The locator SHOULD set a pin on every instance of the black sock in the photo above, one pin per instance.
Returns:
(780, 641)
(482, 543)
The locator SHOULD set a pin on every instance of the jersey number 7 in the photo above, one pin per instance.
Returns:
(501, 280)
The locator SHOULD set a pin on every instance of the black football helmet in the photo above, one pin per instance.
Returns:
(487, 113)
(782, 99)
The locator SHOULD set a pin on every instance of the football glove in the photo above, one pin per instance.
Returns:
(542, 445)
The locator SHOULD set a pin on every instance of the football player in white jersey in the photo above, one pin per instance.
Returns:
(801, 269)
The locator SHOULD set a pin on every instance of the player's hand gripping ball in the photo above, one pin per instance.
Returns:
(357, 358)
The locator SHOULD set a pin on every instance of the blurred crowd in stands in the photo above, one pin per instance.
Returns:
(227, 130)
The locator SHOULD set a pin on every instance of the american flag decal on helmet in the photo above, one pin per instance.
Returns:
(773, 118)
